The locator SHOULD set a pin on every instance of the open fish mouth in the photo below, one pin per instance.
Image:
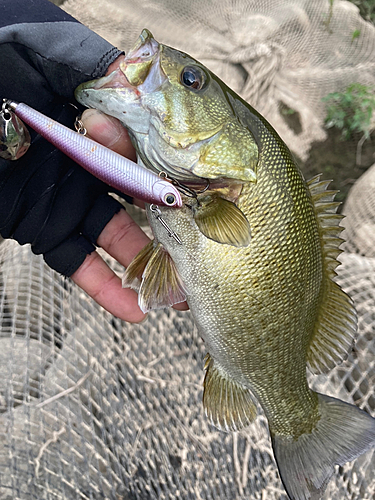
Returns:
(140, 59)
(140, 71)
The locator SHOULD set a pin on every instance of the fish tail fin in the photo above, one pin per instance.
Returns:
(306, 464)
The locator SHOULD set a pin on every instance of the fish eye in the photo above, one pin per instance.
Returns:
(193, 78)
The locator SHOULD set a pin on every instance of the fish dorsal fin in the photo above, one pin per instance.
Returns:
(336, 324)
(228, 405)
(161, 285)
(222, 221)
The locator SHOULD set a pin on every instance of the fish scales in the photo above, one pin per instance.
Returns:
(253, 251)
(251, 288)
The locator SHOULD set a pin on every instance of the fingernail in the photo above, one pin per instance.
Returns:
(102, 127)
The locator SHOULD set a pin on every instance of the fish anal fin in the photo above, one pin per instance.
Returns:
(134, 271)
(222, 221)
(228, 405)
(336, 325)
(306, 464)
(161, 284)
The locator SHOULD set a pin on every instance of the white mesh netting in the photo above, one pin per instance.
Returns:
(94, 408)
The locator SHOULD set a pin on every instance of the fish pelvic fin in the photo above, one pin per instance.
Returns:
(228, 405)
(222, 221)
(307, 463)
(133, 273)
(161, 285)
(336, 325)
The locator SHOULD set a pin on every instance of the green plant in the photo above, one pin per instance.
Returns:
(351, 111)
(286, 111)
(329, 16)
(356, 34)
(366, 9)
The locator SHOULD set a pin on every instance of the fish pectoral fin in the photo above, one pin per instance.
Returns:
(222, 221)
(228, 405)
(336, 324)
(133, 273)
(161, 284)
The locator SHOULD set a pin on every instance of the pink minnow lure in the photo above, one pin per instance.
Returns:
(110, 167)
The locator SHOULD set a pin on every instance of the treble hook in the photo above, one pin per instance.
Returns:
(183, 188)
(157, 213)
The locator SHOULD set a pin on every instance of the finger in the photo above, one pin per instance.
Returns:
(109, 132)
(116, 63)
(123, 239)
(182, 306)
(104, 286)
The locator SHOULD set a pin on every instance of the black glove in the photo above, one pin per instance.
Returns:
(45, 198)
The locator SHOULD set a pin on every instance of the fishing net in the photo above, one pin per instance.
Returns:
(94, 408)
(282, 57)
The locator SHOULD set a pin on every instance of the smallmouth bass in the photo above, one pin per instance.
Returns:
(254, 253)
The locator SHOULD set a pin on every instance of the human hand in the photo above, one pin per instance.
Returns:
(121, 238)
(49, 201)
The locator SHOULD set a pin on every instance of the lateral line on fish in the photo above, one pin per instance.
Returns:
(157, 214)
(266, 308)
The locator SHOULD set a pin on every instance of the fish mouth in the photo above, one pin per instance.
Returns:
(140, 59)
(140, 71)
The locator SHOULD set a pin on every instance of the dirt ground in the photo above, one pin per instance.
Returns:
(336, 159)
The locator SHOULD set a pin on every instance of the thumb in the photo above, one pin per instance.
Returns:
(108, 131)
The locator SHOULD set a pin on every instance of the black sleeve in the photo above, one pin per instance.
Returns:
(45, 198)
